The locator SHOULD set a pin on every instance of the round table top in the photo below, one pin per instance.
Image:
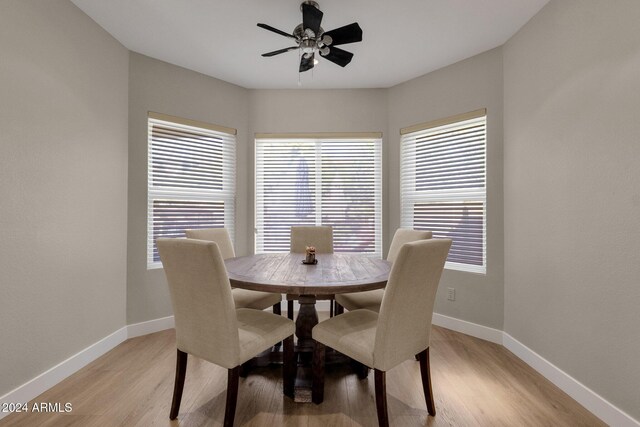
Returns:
(285, 273)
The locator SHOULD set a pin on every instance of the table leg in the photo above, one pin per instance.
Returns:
(306, 320)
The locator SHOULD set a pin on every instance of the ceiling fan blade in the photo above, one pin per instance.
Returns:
(311, 18)
(348, 34)
(279, 51)
(338, 56)
(275, 30)
(306, 63)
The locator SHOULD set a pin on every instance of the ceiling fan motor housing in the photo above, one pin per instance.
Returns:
(311, 3)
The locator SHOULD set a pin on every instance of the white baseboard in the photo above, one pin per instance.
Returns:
(483, 332)
(578, 391)
(43, 382)
(150, 326)
(592, 401)
(322, 305)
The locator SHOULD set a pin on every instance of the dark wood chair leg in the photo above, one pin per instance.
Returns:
(339, 309)
(290, 309)
(361, 369)
(181, 371)
(277, 310)
(289, 367)
(243, 372)
(233, 377)
(317, 389)
(331, 305)
(425, 372)
(381, 398)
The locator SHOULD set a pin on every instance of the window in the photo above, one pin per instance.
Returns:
(443, 185)
(191, 178)
(320, 180)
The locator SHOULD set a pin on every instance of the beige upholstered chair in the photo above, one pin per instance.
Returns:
(321, 237)
(372, 299)
(209, 326)
(302, 236)
(401, 330)
(218, 235)
(243, 298)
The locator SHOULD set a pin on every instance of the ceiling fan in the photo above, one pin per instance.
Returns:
(311, 38)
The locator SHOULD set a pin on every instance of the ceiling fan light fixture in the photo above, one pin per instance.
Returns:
(310, 37)
(307, 46)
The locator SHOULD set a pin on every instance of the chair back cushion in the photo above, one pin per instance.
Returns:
(402, 236)
(321, 237)
(218, 235)
(404, 322)
(205, 316)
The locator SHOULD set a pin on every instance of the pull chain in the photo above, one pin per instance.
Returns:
(299, 59)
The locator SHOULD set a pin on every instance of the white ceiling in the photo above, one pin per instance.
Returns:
(402, 39)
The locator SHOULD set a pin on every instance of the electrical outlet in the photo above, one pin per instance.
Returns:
(451, 294)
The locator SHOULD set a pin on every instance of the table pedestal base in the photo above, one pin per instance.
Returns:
(306, 320)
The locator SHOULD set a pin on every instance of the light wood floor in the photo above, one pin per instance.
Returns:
(476, 383)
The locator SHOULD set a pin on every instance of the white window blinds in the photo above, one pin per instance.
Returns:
(443, 187)
(319, 181)
(191, 181)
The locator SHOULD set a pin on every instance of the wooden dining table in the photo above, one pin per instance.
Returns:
(286, 274)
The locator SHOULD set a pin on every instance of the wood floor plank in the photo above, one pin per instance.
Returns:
(475, 383)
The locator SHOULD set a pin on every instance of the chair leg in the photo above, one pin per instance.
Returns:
(381, 398)
(339, 309)
(362, 370)
(289, 367)
(425, 372)
(277, 310)
(233, 378)
(331, 305)
(290, 309)
(244, 369)
(317, 389)
(181, 371)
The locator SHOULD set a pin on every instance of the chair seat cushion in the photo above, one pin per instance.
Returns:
(244, 298)
(259, 330)
(352, 334)
(370, 300)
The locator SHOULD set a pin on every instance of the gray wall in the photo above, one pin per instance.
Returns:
(572, 192)
(63, 191)
(465, 86)
(164, 88)
(563, 278)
